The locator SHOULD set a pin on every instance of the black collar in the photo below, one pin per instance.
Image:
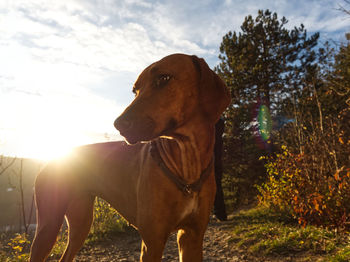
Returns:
(181, 184)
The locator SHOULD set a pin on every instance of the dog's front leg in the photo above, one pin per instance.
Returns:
(154, 233)
(190, 244)
(152, 251)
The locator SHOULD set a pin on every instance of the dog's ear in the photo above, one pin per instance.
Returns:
(213, 93)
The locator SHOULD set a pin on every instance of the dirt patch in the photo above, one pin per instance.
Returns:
(126, 247)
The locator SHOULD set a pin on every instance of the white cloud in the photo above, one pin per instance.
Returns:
(74, 61)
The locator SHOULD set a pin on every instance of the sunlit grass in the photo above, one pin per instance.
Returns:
(342, 255)
(263, 232)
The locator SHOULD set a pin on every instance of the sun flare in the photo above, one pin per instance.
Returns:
(50, 146)
(47, 144)
(48, 130)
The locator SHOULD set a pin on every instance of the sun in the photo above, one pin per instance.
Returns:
(47, 135)
(50, 125)
(51, 143)
(49, 148)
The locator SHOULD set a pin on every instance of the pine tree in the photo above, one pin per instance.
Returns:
(265, 60)
(263, 65)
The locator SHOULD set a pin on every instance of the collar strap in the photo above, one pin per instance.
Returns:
(181, 184)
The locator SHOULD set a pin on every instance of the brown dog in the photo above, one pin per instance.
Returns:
(161, 186)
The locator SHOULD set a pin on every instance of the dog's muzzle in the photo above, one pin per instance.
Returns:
(135, 130)
(123, 125)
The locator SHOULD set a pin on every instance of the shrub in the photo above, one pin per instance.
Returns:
(296, 184)
(106, 220)
(15, 248)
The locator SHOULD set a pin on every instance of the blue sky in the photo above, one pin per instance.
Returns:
(67, 67)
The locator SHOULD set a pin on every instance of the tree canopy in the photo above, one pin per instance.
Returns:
(288, 91)
(265, 60)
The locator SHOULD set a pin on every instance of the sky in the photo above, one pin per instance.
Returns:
(67, 67)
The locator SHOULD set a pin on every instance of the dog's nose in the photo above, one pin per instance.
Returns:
(122, 124)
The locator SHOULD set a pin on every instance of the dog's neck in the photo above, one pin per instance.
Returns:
(190, 150)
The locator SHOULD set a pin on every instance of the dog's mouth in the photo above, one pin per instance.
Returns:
(131, 140)
(135, 137)
(142, 130)
(135, 130)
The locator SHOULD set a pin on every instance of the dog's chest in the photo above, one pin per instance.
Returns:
(190, 206)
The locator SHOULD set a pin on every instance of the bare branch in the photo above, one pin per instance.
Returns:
(3, 169)
(343, 9)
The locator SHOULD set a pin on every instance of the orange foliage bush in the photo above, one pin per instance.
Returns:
(312, 185)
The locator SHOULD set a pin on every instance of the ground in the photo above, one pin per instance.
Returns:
(126, 247)
(255, 234)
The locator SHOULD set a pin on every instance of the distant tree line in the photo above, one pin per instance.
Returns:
(288, 128)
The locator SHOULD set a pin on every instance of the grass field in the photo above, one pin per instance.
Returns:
(267, 235)
(258, 233)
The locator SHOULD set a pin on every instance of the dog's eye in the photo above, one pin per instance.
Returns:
(163, 79)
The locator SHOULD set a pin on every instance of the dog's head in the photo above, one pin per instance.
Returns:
(169, 93)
